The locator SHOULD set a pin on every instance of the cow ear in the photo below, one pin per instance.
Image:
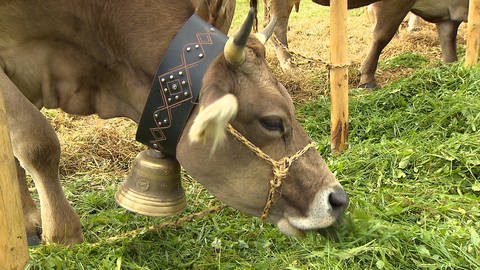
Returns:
(217, 108)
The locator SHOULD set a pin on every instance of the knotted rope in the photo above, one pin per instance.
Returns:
(279, 167)
(156, 227)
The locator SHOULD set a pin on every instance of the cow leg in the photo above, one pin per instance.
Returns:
(31, 214)
(388, 16)
(35, 145)
(281, 10)
(370, 12)
(447, 34)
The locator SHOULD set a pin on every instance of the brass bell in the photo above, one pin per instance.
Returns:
(153, 187)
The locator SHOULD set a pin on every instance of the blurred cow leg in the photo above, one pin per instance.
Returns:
(370, 12)
(281, 10)
(387, 20)
(447, 34)
(35, 145)
(414, 22)
(216, 12)
(30, 212)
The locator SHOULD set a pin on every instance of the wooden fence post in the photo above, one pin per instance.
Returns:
(13, 240)
(473, 33)
(338, 76)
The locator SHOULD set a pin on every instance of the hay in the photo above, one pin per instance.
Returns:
(94, 145)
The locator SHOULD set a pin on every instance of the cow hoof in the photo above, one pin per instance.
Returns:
(369, 85)
(34, 238)
(67, 239)
(33, 226)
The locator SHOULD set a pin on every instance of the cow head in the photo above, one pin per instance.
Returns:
(239, 89)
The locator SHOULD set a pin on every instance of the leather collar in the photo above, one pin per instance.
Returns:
(177, 83)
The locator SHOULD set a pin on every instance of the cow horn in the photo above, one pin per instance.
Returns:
(267, 31)
(234, 50)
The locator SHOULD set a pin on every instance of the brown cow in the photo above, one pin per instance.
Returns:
(98, 56)
(414, 22)
(446, 14)
(216, 12)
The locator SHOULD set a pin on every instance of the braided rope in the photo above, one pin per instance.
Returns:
(167, 224)
(307, 59)
(279, 167)
(298, 55)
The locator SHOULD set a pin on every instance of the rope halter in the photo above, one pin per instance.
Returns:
(280, 167)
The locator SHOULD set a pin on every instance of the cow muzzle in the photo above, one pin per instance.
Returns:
(323, 212)
(279, 167)
(326, 207)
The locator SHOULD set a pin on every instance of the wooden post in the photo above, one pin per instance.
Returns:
(473, 33)
(13, 240)
(338, 76)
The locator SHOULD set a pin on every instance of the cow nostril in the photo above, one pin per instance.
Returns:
(338, 199)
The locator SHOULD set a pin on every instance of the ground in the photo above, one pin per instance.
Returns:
(412, 171)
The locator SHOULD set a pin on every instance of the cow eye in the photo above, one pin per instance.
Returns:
(272, 123)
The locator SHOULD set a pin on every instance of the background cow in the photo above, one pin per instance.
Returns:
(414, 21)
(99, 57)
(447, 15)
(216, 12)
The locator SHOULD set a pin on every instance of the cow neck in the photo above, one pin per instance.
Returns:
(177, 82)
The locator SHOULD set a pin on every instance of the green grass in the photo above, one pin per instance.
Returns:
(405, 60)
(412, 172)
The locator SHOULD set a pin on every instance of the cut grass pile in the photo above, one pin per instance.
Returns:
(412, 170)
(412, 173)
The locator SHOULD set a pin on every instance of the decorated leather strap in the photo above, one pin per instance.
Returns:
(177, 83)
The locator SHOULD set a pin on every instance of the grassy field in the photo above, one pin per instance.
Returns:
(412, 172)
